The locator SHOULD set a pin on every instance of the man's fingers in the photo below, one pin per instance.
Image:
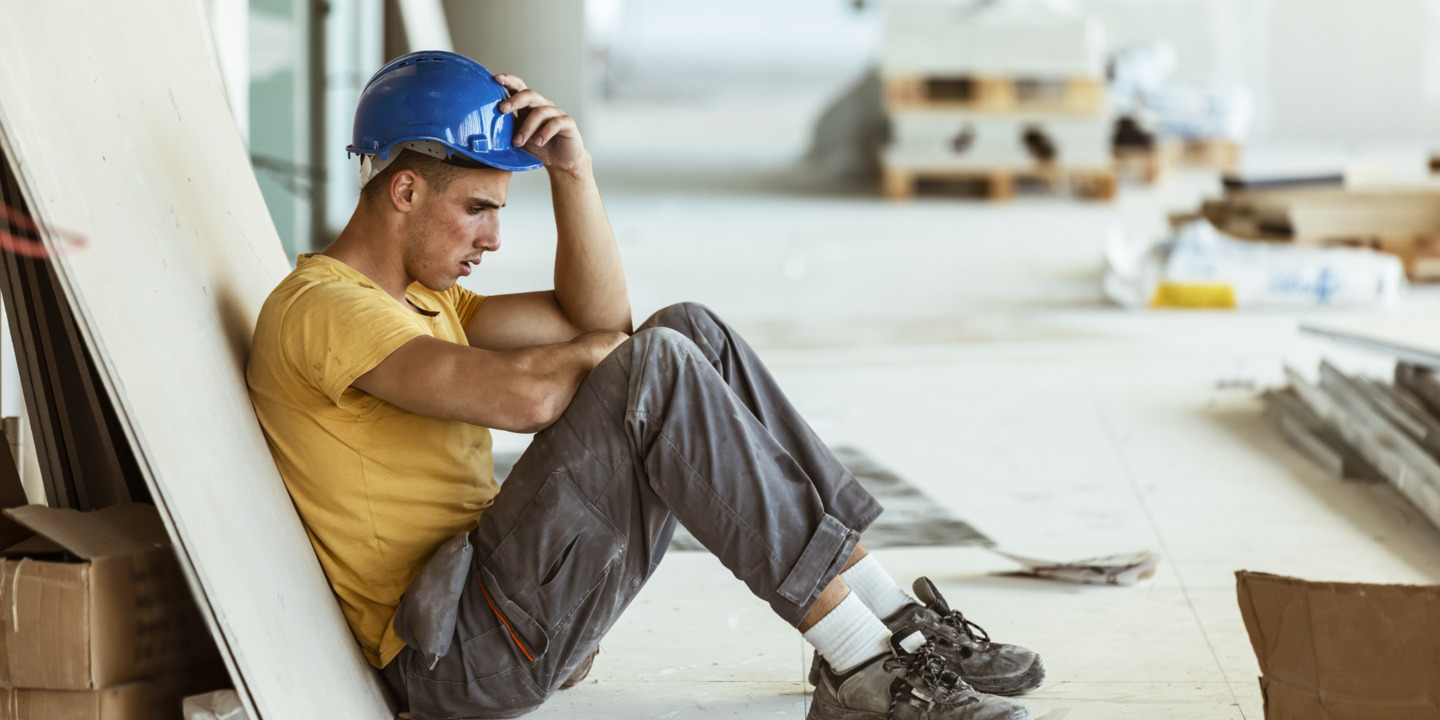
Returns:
(554, 127)
(524, 99)
(533, 120)
(510, 82)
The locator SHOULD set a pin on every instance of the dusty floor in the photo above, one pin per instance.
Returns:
(966, 347)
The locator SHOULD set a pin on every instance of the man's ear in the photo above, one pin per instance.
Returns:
(402, 190)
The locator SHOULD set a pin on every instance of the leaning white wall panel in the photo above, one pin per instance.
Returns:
(121, 134)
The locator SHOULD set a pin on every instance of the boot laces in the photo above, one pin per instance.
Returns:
(927, 679)
(961, 624)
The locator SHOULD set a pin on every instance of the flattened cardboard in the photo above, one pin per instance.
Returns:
(117, 611)
(1343, 651)
(130, 529)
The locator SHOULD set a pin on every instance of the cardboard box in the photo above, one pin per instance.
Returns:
(144, 700)
(156, 699)
(1343, 651)
(95, 600)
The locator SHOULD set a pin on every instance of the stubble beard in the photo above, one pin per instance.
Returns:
(422, 269)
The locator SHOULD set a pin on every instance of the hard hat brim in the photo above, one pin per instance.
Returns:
(512, 159)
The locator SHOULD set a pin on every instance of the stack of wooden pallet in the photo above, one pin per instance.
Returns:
(1150, 163)
(992, 98)
(1401, 220)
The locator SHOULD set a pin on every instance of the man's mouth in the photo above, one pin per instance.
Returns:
(467, 265)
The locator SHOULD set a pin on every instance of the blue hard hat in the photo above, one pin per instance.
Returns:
(441, 97)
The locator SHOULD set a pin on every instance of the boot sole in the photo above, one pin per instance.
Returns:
(1013, 685)
(1005, 687)
(820, 710)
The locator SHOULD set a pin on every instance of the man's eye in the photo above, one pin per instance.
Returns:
(476, 210)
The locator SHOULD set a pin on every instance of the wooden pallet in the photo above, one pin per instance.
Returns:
(1419, 254)
(902, 183)
(1222, 155)
(975, 93)
(1148, 165)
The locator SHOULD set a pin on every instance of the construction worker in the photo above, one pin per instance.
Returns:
(376, 376)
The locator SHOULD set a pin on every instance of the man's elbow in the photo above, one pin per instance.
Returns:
(547, 410)
(540, 407)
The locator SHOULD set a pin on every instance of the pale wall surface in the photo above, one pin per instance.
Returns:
(1326, 70)
(542, 41)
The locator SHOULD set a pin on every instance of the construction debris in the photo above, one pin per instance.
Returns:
(1125, 569)
(1163, 122)
(1359, 428)
(217, 705)
(1201, 268)
(1343, 650)
(1400, 220)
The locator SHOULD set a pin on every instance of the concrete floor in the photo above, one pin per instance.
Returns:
(967, 347)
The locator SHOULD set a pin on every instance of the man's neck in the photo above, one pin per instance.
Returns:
(366, 247)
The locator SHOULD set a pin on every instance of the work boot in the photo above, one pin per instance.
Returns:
(582, 670)
(913, 682)
(989, 667)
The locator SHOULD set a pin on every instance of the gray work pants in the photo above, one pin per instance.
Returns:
(681, 422)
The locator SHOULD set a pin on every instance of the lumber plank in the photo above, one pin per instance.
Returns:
(1409, 336)
(18, 308)
(1318, 439)
(1402, 461)
(85, 471)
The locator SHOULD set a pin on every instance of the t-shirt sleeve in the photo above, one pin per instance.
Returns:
(464, 301)
(335, 332)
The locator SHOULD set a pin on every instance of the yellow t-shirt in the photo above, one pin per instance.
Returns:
(377, 487)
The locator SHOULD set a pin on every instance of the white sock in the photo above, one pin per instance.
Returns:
(849, 635)
(875, 587)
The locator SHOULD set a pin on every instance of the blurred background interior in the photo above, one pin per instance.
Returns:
(776, 130)
(1035, 259)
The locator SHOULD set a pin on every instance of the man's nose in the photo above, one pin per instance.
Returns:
(489, 240)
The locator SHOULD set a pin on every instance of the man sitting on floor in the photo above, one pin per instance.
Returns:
(376, 376)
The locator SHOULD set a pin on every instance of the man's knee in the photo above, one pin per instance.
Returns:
(665, 351)
(663, 340)
(681, 316)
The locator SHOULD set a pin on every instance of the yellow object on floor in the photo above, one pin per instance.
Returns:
(1196, 295)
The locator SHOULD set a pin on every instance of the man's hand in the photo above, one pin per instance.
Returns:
(541, 128)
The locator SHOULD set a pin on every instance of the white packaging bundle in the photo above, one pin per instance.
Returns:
(1137, 70)
(1202, 110)
(1199, 267)
(218, 705)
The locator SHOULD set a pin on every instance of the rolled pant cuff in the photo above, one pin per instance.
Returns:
(820, 563)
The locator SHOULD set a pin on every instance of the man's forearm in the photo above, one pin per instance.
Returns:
(561, 369)
(589, 279)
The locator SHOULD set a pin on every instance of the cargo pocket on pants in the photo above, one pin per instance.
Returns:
(559, 550)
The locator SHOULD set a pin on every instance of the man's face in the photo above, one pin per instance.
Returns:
(449, 230)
